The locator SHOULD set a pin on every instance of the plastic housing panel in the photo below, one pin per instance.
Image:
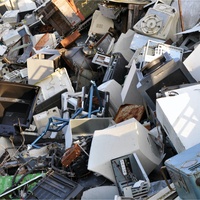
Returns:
(51, 102)
(54, 187)
(159, 22)
(114, 88)
(40, 66)
(121, 139)
(109, 11)
(116, 69)
(100, 24)
(179, 116)
(128, 170)
(85, 127)
(54, 83)
(41, 119)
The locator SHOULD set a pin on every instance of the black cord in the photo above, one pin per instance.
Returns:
(53, 166)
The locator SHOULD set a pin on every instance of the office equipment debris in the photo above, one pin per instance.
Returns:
(97, 98)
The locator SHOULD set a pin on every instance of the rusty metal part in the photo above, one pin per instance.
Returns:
(133, 14)
(70, 39)
(128, 111)
(5, 60)
(70, 155)
(165, 178)
(11, 4)
(181, 15)
(43, 40)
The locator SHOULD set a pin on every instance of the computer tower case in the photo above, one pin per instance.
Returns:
(116, 69)
(132, 180)
(184, 170)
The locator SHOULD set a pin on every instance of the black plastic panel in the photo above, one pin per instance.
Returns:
(116, 69)
(55, 187)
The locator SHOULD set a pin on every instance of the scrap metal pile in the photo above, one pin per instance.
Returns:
(99, 99)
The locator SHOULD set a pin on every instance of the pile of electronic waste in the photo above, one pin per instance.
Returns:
(99, 99)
